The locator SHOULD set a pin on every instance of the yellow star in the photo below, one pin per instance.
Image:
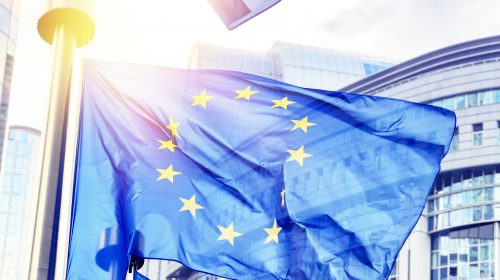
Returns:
(245, 93)
(283, 198)
(201, 99)
(283, 103)
(190, 205)
(228, 234)
(272, 233)
(173, 126)
(168, 174)
(167, 145)
(298, 155)
(302, 124)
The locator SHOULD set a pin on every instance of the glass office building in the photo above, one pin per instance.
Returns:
(204, 56)
(9, 18)
(17, 201)
(322, 68)
(458, 235)
(295, 64)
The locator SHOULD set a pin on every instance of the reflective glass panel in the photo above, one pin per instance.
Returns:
(478, 139)
(434, 274)
(472, 100)
(453, 258)
(477, 213)
(488, 212)
(478, 195)
(460, 102)
(485, 97)
(443, 260)
(430, 205)
(443, 272)
(483, 270)
(449, 103)
(485, 253)
(473, 254)
(474, 271)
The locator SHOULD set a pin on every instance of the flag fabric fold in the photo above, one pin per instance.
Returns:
(139, 276)
(235, 12)
(246, 177)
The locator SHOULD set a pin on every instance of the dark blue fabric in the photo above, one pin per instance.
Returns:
(138, 276)
(347, 210)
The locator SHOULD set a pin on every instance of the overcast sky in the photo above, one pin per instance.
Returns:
(161, 32)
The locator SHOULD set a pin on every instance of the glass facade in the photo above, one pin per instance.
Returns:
(17, 201)
(300, 65)
(468, 100)
(213, 57)
(454, 141)
(498, 132)
(462, 258)
(478, 134)
(9, 15)
(371, 68)
(463, 197)
(321, 68)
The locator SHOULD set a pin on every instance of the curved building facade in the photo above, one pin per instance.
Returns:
(458, 235)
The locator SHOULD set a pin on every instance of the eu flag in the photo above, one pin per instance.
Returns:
(246, 177)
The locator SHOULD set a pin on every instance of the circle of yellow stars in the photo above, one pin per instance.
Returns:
(190, 205)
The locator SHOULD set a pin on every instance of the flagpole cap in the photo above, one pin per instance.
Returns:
(75, 15)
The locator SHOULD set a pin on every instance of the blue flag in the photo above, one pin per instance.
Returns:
(235, 12)
(246, 177)
(138, 276)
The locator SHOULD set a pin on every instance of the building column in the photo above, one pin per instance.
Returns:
(415, 256)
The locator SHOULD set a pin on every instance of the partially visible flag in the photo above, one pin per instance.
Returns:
(139, 276)
(246, 177)
(235, 12)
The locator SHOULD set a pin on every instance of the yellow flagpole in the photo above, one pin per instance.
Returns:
(66, 25)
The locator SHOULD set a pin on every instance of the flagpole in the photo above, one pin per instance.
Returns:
(66, 25)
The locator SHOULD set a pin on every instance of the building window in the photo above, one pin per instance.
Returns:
(467, 100)
(498, 132)
(477, 134)
(462, 258)
(449, 103)
(485, 97)
(464, 196)
(454, 140)
(460, 102)
(472, 100)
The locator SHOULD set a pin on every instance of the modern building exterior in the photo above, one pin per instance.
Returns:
(18, 201)
(322, 68)
(458, 235)
(9, 18)
(204, 56)
(295, 64)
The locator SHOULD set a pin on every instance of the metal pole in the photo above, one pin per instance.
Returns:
(66, 25)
